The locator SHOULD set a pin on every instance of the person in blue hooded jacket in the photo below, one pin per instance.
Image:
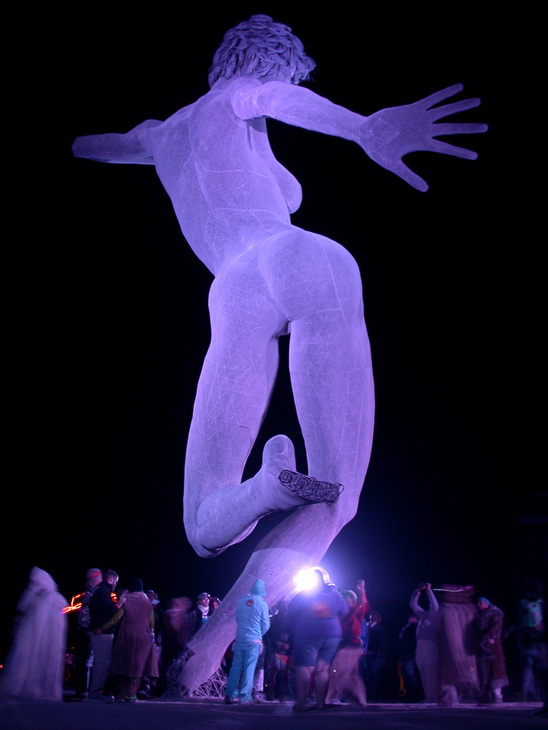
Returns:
(252, 619)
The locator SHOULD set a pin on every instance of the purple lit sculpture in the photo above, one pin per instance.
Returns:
(233, 201)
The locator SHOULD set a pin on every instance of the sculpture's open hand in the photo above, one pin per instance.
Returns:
(390, 134)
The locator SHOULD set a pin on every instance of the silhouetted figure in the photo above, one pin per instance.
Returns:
(375, 657)
(407, 646)
(35, 661)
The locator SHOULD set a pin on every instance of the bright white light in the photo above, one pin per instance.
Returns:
(306, 579)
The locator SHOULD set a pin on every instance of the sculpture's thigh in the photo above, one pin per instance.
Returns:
(318, 284)
(235, 385)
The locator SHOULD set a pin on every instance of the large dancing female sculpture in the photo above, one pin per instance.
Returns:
(233, 201)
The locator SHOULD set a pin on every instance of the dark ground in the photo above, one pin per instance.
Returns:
(205, 714)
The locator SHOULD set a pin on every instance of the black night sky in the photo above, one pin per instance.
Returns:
(107, 322)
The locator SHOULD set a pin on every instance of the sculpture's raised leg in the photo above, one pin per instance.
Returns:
(333, 388)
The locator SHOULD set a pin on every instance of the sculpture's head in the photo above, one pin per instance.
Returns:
(260, 47)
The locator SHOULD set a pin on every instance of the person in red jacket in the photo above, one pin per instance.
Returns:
(344, 674)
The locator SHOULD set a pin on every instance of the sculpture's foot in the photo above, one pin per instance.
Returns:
(309, 488)
(278, 454)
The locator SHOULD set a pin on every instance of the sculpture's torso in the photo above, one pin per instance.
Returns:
(228, 191)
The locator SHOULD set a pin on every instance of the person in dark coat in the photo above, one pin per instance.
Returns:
(375, 657)
(134, 655)
(407, 645)
(278, 643)
(102, 607)
(314, 614)
(83, 650)
(489, 655)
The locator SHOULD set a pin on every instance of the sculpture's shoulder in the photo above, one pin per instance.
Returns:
(229, 92)
(180, 117)
(168, 135)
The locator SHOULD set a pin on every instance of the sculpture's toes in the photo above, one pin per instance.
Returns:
(278, 454)
(309, 488)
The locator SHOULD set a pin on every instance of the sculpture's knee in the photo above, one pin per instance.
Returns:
(196, 536)
(199, 548)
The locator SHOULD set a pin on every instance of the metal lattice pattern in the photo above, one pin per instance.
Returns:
(212, 687)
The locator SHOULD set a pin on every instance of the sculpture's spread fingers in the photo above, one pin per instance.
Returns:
(401, 170)
(449, 149)
(457, 106)
(457, 128)
(440, 96)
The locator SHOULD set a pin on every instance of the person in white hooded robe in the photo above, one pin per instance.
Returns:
(35, 663)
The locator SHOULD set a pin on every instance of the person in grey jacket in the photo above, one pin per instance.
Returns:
(427, 654)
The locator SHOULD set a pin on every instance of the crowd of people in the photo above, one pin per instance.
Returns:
(322, 647)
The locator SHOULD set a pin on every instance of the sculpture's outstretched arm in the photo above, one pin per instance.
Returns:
(122, 149)
(293, 105)
(386, 136)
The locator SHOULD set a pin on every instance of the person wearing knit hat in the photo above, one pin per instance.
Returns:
(93, 577)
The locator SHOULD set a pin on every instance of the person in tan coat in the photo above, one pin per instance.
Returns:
(134, 655)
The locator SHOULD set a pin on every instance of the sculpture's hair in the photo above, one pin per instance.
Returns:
(259, 47)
